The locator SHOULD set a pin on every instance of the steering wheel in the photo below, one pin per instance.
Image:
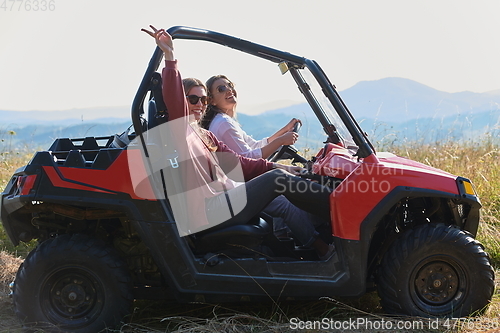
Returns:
(288, 151)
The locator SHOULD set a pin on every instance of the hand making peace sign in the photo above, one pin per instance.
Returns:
(163, 40)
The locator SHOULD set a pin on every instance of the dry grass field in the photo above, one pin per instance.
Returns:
(476, 161)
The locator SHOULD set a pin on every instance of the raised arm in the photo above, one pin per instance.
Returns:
(163, 40)
(173, 91)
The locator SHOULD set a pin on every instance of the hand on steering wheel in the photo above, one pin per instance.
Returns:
(289, 138)
(288, 148)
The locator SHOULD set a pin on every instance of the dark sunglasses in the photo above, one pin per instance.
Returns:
(224, 87)
(193, 99)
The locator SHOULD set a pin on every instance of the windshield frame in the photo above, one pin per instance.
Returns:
(365, 148)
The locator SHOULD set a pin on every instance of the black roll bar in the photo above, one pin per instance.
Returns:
(261, 51)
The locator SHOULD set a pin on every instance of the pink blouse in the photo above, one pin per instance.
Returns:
(202, 163)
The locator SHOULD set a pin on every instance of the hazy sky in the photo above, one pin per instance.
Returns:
(87, 53)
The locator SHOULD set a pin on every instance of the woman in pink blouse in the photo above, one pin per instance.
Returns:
(206, 196)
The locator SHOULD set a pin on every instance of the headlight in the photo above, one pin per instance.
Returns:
(465, 187)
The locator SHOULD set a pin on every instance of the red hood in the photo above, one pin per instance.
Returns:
(386, 157)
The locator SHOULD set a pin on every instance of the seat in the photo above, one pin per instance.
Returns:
(105, 157)
(249, 235)
(254, 237)
(157, 110)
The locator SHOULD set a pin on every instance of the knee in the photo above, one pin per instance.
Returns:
(280, 204)
(279, 172)
(275, 175)
(279, 176)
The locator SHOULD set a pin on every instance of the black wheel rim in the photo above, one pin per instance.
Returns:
(439, 285)
(72, 297)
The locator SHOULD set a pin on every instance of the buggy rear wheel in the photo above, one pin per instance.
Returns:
(435, 271)
(72, 283)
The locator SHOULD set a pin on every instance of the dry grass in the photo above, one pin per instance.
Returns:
(9, 265)
(478, 162)
(10, 162)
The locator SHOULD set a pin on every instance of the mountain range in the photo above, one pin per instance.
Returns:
(390, 110)
(396, 110)
(397, 99)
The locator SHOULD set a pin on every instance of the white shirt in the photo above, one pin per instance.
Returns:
(229, 131)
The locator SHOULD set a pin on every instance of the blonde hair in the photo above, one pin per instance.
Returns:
(191, 82)
(205, 137)
(188, 84)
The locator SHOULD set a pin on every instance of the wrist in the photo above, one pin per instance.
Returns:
(168, 54)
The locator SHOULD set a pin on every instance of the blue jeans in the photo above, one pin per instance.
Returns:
(301, 203)
(301, 223)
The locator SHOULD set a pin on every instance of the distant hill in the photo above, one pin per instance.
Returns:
(400, 99)
(389, 110)
(41, 136)
(20, 119)
(38, 129)
(396, 110)
(381, 133)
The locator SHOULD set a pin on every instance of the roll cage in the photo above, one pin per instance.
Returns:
(289, 61)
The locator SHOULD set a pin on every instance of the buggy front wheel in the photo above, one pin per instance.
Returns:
(435, 270)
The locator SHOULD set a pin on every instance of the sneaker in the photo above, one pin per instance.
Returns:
(329, 253)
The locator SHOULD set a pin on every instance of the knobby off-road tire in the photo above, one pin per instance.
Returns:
(435, 270)
(72, 283)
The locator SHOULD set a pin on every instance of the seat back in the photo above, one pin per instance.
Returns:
(157, 110)
(105, 158)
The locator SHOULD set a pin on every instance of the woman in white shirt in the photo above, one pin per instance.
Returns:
(219, 119)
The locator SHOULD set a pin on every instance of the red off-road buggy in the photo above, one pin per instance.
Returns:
(399, 225)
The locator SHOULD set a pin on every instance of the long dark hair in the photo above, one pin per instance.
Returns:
(212, 110)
